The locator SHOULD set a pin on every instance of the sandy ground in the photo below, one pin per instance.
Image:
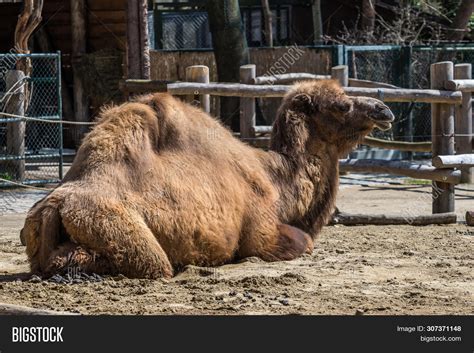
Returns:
(367, 269)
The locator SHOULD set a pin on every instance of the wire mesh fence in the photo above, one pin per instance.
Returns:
(30, 151)
(407, 67)
(185, 30)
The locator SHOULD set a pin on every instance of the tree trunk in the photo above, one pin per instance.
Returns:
(461, 20)
(138, 49)
(230, 50)
(317, 22)
(267, 17)
(78, 48)
(368, 15)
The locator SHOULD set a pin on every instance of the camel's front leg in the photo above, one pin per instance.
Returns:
(118, 235)
(283, 242)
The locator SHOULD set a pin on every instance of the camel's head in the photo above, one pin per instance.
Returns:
(317, 115)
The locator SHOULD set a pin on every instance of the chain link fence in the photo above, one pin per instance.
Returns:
(30, 150)
(409, 68)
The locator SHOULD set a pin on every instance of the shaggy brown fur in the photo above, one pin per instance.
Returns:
(159, 184)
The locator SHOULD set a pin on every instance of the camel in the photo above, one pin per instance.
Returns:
(159, 184)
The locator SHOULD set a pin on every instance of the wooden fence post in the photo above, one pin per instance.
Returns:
(15, 80)
(442, 134)
(463, 124)
(340, 73)
(200, 74)
(247, 105)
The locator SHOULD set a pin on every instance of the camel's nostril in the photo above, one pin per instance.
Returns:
(384, 113)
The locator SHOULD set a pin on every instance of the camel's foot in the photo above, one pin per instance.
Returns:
(292, 242)
(70, 257)
(287, 243)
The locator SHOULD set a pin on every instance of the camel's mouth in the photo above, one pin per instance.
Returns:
(383, 125)
(383, 117)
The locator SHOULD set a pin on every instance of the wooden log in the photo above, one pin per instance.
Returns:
(269, 91)
(463, 122)
(78, 48)
(371, 141)
(355, 82)
(247, 105)
(405, 168)
(470, 218)
(465, 85)
(340, 73)
(406, 95)
(288, 78)
(143, 86)
(360, 219)
(456, 161)
(145, 63)
(442, 132)
(398, 145)
(15, 81)
(200, 74)
(12, 309)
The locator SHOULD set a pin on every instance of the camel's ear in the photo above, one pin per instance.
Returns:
(302, 103)
(342, 107)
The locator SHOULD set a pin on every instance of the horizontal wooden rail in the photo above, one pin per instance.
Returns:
(288, 78)
(384, 94)
(355, 82)
(143, 86)
(456, 161)
(361, 219)
(372, 141)
(406, 95)
(398, 145)
(460, 85)
(409, 169)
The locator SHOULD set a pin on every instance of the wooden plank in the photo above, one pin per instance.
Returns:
(106, 5)
(361, 219)
(442, 132)
(405, 168)
(456, 161)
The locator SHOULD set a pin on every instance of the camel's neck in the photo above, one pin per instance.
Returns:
(308, 185)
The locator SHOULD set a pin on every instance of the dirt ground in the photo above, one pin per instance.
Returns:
(366, 269)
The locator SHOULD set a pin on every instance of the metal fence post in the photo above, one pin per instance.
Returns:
(442, 134)
(338, 55)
